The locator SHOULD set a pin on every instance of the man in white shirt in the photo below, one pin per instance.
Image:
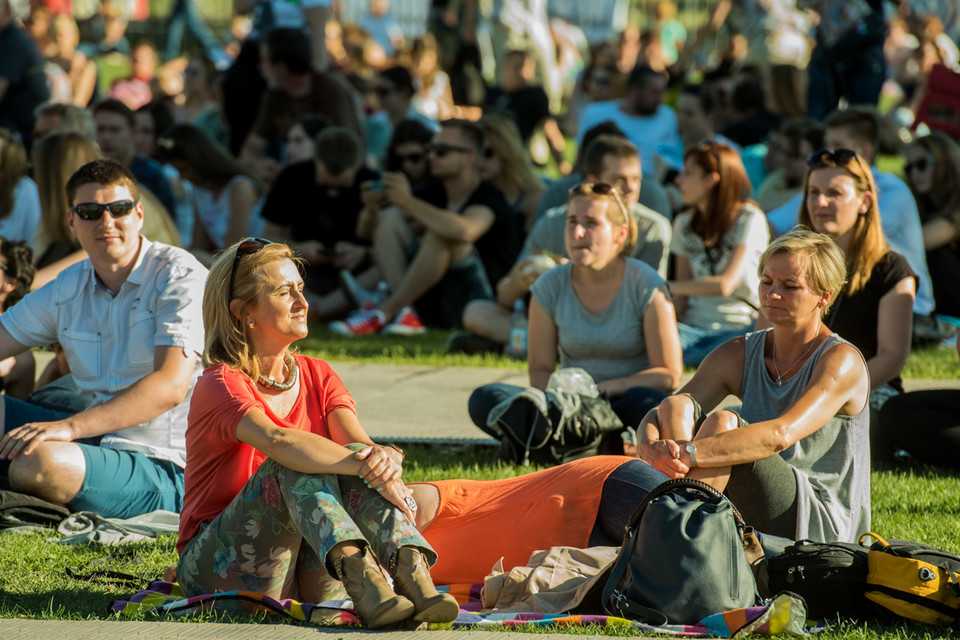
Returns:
(640, 114)
(129, 320)
(857, 129)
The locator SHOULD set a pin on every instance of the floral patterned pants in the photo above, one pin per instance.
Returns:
(272, 536)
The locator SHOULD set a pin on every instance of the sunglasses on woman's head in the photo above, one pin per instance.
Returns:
(837, 156)
(248, 247)
(597, 188)
(94, 210)
(921, 164)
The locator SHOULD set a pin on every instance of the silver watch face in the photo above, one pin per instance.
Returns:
(691, 448)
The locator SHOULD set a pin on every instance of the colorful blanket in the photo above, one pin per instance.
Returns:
(786, 614)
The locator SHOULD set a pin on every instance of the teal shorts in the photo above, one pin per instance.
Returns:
(123, 484)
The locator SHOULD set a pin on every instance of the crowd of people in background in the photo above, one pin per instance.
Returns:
(495, 159)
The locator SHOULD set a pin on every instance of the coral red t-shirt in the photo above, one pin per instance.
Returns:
(218, 464)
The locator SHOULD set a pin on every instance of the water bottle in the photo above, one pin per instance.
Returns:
(517, 343)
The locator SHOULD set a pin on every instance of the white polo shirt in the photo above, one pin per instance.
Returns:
(109, 339)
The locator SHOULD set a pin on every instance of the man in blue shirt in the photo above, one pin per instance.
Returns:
(115, 123)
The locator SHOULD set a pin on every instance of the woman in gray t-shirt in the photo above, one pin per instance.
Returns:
(797, 463)
(601, 311)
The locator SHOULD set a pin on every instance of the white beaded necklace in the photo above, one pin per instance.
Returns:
(805, 354)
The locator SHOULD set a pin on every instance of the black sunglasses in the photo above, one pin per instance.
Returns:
(918, 165)
(836, 156)
(94, 210)
(597, 188)
(246, 248)
(441, 149)
(382, 91)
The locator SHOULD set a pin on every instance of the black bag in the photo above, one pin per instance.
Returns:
(682, 558)
(528, 436)
(831, 577)
(20, 509)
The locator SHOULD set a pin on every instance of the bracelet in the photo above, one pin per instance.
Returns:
(398, 450)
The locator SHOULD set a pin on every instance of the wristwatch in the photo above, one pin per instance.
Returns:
(691, 450)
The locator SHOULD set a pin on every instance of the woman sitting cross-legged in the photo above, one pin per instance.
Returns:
(602, 311)
(796, 462)
(282, 483)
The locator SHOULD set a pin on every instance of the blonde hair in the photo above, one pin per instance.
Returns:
(516, 168)
(56, 157)
(227, 337)
(821, 259)
(868, 245)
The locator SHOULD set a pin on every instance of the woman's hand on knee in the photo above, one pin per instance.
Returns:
(379, 465)
(401, 496)
(664, 455)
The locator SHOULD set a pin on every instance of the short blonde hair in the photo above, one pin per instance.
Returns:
(821, 258)
(227, 337)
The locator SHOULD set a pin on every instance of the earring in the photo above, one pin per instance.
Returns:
(250, 323)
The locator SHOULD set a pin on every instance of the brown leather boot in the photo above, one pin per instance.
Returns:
(373, 600)
(411, 577)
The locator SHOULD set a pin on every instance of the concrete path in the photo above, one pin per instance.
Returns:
(115, 630)
(429, 404)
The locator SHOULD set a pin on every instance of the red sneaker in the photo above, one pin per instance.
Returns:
(407, 323)
(360, 322)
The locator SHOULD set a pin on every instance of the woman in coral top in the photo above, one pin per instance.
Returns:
(282, 483)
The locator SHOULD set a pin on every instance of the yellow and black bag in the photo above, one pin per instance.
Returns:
(914, 580)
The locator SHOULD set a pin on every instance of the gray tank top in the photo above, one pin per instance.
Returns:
(831, 465)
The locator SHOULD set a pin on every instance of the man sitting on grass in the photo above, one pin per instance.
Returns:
(470, 239)
(129, 320)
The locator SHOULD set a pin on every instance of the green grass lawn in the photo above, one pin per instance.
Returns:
(910, 501)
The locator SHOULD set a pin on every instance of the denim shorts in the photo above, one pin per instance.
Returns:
(123, 484)
(117, 484)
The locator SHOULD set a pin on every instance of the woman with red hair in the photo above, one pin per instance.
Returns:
(717, 242)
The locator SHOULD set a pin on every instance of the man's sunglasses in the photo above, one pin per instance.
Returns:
(922, 164)
(836, 156)
(441, 149)
(246, 248)
(94, 210)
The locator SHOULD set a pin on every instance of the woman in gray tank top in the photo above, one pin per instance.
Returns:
(797, 463)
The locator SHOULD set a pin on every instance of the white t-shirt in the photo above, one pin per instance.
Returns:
(721, 313)
(214, 212)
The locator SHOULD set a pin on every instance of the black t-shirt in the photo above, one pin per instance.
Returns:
(313, 211)
(528, 107)
(854, 317)
(22, 65)
(500, 245)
